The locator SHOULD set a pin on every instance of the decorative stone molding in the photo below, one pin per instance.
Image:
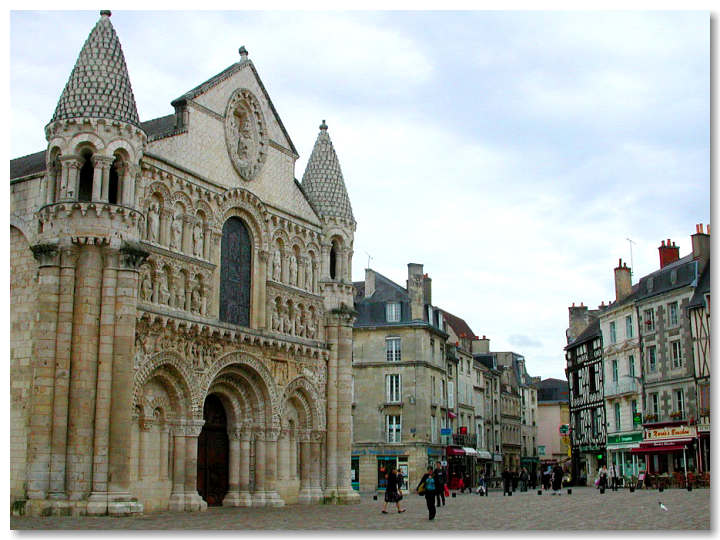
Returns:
(46, 254)
(245, 133)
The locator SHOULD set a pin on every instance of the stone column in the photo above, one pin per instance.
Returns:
(272, 497)
(50, 185)
(207, 241)
(97, 503)
(166, 217)
(233, 495)
(331, 333)
(325, 263)
(129, 178)
(63, 346)
(344, 412)
(163, 465)
(177, 496)
(101, 166)
(258, 498)
(69, 178)
(39, 434)
(305, 496)
(316, 438)
(293, 455)
(83, 369)
(261, 296)
(120, 501)
(315, 277)
(145, 454)
(244, 497)
(284, 457)
(193, 501)
(186, 247)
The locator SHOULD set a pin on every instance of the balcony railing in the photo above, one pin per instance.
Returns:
(622, 387)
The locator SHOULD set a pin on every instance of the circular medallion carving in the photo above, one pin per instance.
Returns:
(245, 133)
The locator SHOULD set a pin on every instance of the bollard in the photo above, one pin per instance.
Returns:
(453, 494)
(509, 493)
(374, 497)
(661, 488)
(602, 491)
(569, 491)
(539, 491)
(689, 487)
(632, 489)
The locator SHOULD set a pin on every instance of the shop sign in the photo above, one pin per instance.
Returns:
(628, 438)
(564, 429)
(446, 431)
(637, 419)
(434, 451)
(703, 427)
(671, 432)
(541, 450)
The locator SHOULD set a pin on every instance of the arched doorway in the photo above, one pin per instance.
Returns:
(213, 453)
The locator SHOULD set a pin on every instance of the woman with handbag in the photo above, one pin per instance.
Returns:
(427, 487)
(392, 491)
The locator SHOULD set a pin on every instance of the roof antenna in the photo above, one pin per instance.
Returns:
(366, 253)
(632, 265)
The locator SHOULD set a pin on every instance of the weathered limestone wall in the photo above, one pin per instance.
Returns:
(22, 323)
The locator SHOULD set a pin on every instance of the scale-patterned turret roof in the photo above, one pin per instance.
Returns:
(99, 86)
(323, 180)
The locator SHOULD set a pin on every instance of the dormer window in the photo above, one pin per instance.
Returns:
(392, 312)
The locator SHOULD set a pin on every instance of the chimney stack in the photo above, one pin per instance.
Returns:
(427, 290)
(623, 281)
(415, 290)
(701, 246)
(480, 345)
(579, 319)
(369, 282)
(668, 253)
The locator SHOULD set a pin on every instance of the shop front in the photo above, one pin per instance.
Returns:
(461, 464)
(619, 448)
(669, 452)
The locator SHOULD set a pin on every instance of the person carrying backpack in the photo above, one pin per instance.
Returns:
(428, 487)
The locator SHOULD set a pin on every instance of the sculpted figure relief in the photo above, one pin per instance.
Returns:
(164, 291)
(176, 230)
(308, 275)
(293, 269)
(146, 288)
(287, 322)
(153, 223)
(198, 240)
(196, 300)
(276, 319)
(299, 328)
(311, 330)
(276, 266)
(180, 293)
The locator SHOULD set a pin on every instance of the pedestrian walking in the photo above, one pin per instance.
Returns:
(393, 494)
(427, 487)
(439, 477)
(557, 479)
(507, 481)
(613, 476)
(603, 477)
(523, 479)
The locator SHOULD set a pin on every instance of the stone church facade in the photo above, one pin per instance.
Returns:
(181, 321)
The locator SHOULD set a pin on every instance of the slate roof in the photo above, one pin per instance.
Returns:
(590, 333)
(323, 181)
(703, 287)
(371, 311)
(553, 390)
(26, 165)
(684, 271)
(99, 85)
(459, 326)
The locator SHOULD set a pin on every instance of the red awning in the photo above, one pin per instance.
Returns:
(658, 449)
(451, 451)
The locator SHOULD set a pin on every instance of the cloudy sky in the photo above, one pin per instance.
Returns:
(511, 153)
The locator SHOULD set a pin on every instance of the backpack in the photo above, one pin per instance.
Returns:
(430, 483)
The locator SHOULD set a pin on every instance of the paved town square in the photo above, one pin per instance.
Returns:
(584, 509)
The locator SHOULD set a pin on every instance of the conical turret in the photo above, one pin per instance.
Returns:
(99, 85)
(323, 180)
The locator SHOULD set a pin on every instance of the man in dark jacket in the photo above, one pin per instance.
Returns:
(507, 478)
(439, 484)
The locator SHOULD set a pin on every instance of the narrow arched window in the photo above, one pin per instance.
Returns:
(235, 273)
(114, 182)
(86, 179)
(333, 261)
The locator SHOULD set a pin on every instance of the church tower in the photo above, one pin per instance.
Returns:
(324, 187)
(88, 257)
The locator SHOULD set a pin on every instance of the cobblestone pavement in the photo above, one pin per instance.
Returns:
(585, 509)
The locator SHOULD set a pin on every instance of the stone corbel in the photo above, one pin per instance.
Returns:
(46, 254)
